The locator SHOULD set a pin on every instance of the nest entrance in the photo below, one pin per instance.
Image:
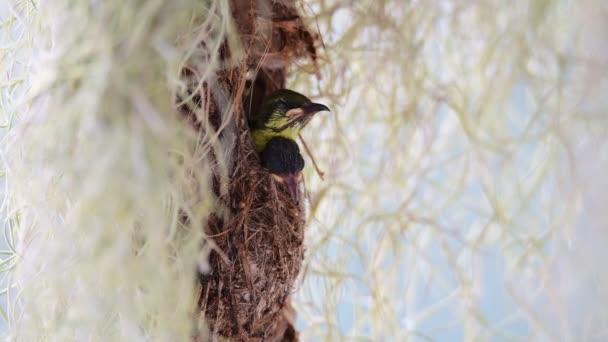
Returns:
(260, 234)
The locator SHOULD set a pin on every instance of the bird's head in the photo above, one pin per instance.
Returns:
(282, 158)
(286, 108)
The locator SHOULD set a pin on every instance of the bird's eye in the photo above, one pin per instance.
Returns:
(282, 105)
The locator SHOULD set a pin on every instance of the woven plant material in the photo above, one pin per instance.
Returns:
(258, 230)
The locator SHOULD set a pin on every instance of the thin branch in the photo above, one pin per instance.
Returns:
(314, 162)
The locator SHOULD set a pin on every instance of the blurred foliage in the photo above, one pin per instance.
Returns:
(100, 168)
(454, 200)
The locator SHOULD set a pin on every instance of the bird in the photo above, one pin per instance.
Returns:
(282, 114)
(281, 157)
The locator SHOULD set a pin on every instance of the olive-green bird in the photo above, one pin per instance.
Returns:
(282, 158)
(283, 114)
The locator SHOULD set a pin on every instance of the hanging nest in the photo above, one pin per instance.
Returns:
(257, 231)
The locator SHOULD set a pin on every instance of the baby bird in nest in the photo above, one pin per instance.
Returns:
(283, 114)
(274, 130)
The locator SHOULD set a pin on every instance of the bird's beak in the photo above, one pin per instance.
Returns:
(306, 111)
(313, 108)
(291, 182)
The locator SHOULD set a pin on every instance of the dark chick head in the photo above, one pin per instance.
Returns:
(282, 158)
